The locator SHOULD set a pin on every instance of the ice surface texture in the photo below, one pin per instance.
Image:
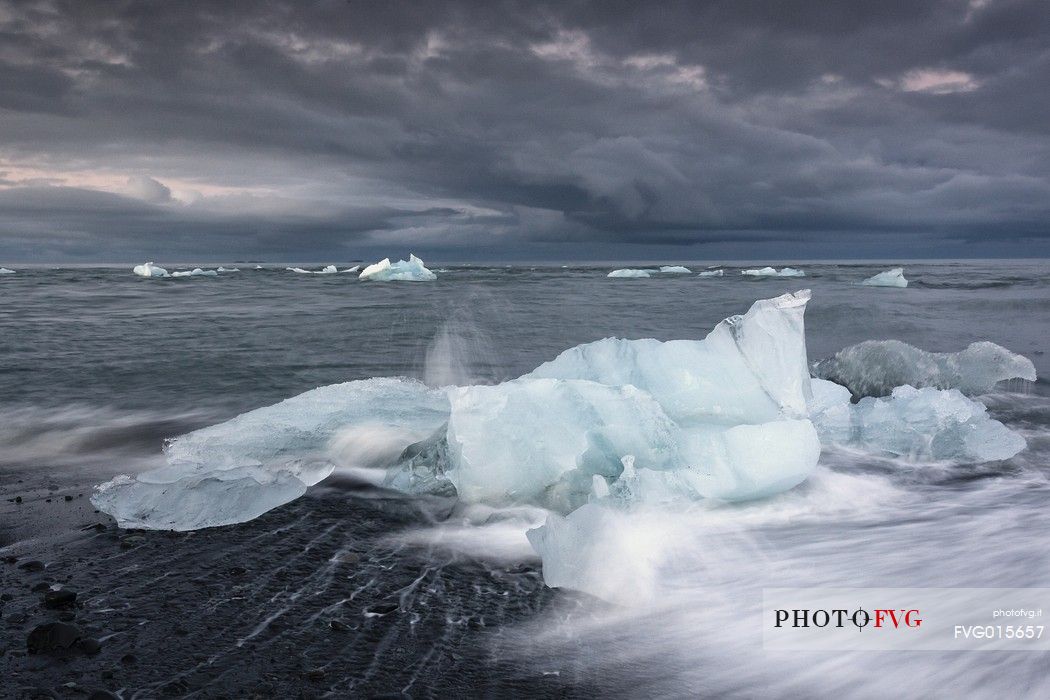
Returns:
(890, 278)
(237, 470)
(920, 425)
(675, 269)
(875, 367)
(629, 273)
(772, 272)
(412, 270)
(149, 270)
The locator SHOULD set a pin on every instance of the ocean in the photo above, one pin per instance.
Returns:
(355, 590)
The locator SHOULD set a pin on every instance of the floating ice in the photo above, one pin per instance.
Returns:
(875, 367)
(234, 471)
(5, 271)
(772, 272)
(724, 417)
(150, 270)
(326, 270)
(627, 272)
(412, 270)
(917, 424)
(711, 273)
(890, 278)
(228, 269)
(675, 269)
(355, 268)
(195, 272)
(620, 423)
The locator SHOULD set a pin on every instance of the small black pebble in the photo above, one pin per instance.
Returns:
(128, 659)
(54, 636)
(90, 646)
(107, 674)
(103, 695)
(69, 498)
(63, 598)
(339, 626)
(10, 560)
(315, 674)
(18, 499)
(41, 587)
(67, 616)
(32, 565)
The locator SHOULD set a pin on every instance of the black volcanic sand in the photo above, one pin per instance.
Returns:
(310, 600)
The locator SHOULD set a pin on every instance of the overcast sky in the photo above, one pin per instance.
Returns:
(502, 130)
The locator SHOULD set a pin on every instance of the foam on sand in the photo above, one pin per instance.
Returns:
(890, 278)
(411, 270)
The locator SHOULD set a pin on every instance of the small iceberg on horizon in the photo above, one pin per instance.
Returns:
(326, 270)
(675, 270)
(5, 271)
(411, 270)
(629, 273)
(228, 269)
(712, 273)
(773, 272)
(890, 278)
(195, 272)
(150, 270)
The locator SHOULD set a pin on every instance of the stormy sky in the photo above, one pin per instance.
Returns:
(524, 130)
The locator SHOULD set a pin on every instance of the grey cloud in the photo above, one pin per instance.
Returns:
(341, 126)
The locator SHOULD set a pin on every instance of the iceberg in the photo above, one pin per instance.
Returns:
(724, 417)
(916, 424)
(621, 424)
(876, 367)
(5, 271)
(235, 471)
(326, 270)
(412, 270)
(355, 268)
(890, 278)
(150, 270)
(675, 269)
(627, 272)
(773, 272)
(195, 272)
(228, 269)
(711, 273)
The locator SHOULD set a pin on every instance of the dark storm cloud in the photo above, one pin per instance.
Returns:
(309, 130)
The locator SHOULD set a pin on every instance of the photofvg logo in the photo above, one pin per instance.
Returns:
(843, 619)
(859, 618)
